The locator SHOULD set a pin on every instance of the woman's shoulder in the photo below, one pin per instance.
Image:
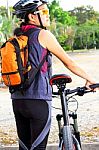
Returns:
(44, 37)
(47, 33)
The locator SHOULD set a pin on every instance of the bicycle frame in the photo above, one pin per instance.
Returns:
(68, 141)
(65, 135)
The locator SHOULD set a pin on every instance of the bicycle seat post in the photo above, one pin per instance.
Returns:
(64, 104)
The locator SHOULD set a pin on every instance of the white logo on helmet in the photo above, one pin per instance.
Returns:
(31, 2)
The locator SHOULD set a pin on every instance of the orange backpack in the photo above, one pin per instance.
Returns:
(16, 69)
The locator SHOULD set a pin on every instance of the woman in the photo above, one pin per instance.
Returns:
(33, 108)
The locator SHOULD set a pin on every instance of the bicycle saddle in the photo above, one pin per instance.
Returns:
(60, 79)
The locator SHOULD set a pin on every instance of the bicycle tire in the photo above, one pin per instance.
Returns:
(67, 138)
(76, 145)
(63, 148)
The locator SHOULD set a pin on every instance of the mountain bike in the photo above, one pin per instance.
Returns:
(69, 135)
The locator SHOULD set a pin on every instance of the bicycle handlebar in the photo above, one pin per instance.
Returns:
(80, 91)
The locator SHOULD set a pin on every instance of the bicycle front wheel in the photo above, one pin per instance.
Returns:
(67, 138)
(76, 145)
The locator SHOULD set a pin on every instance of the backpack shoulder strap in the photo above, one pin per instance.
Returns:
(33, 72)
(40, 65)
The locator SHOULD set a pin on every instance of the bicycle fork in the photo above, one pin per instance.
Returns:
(75, 127)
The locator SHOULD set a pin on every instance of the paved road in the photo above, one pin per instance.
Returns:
(88, 112)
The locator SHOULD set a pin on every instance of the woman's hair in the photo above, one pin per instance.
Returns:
(18, 32)
(26, 19)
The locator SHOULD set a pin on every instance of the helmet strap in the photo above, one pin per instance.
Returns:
(41, 24)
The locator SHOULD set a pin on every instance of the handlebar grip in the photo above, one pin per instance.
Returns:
(93, 86)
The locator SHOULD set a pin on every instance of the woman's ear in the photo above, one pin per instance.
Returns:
(31, 17)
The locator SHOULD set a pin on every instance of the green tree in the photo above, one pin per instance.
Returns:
(87, 35)
(9, 22)
(62, 25)
(59, 15)
(84, 13)
(3, 11)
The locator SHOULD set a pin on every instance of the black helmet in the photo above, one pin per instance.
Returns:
(24, 6)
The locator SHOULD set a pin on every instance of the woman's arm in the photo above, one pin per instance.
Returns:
(48, 40)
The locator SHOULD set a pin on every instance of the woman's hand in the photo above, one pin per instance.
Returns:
(88, 83)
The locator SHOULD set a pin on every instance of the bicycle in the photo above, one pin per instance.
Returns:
(69, 135)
